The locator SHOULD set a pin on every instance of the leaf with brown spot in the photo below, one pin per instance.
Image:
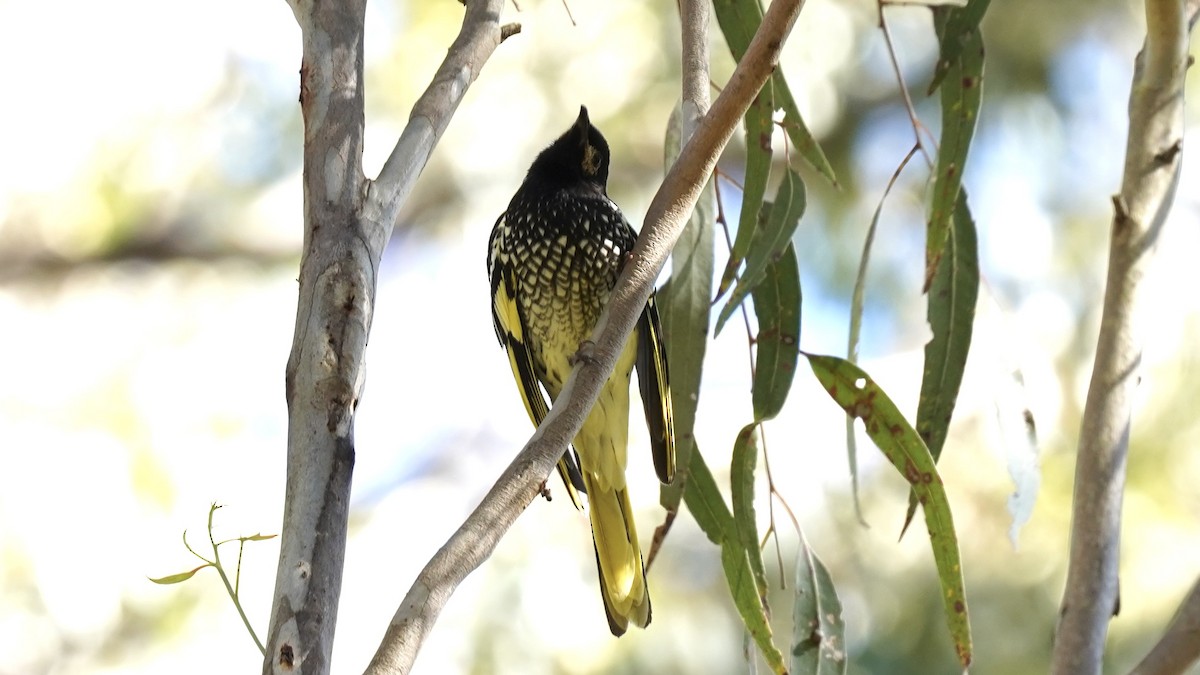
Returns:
(818, 631)
(958, 31)
(905, 450)
(951, 23)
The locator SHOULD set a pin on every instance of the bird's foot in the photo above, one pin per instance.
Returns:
(584, 354)
(544, 491)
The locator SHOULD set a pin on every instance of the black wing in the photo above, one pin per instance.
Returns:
(655, 385)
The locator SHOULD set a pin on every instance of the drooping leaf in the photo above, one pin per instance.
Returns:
(177, 578)
(738, 20)
(741, 480)
(769, 241)
(754, 185)
(777, 307)
(684, 308)
(746, 599)
(705, 503)
(818, 631)
(951, 316)
(860, 397)
(961, 93)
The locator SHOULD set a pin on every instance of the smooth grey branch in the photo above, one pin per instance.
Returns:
(1153, 155)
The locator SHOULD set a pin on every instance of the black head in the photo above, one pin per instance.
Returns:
(577, 160)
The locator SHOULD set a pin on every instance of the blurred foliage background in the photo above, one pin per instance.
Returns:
(150, 223)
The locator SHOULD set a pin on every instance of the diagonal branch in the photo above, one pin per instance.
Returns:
(1179, 647)
(481, 33)
(1152, 164)
(519, 484)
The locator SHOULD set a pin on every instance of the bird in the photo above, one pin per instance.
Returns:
(553, 258)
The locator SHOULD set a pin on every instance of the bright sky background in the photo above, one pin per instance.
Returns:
(133, 396)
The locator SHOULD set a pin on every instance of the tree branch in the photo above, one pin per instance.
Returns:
(519, 484)
(1152, 165)
(1179, 647)
(347, 222)
(480, 35)
(694, 16)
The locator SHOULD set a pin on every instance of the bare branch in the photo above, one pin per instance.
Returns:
(672, 205)
(480, 35)
(1152, 164)
(694, 16)
(1179, 646)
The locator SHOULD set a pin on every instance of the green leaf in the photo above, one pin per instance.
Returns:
(951, 24)
(741, 480)
(746, 599)
(754, 185)
(705, 503)
(961, 95)
(684, 305)
(769, 241)
(777, 307)
(859, 396)
(951, 316)
(818, 631)
(177, 578)
(739, 19)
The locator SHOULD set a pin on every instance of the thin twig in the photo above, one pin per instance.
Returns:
(917, 125)
(856, 310)
(569, 14)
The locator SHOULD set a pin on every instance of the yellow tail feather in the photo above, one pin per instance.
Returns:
(622, 576)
